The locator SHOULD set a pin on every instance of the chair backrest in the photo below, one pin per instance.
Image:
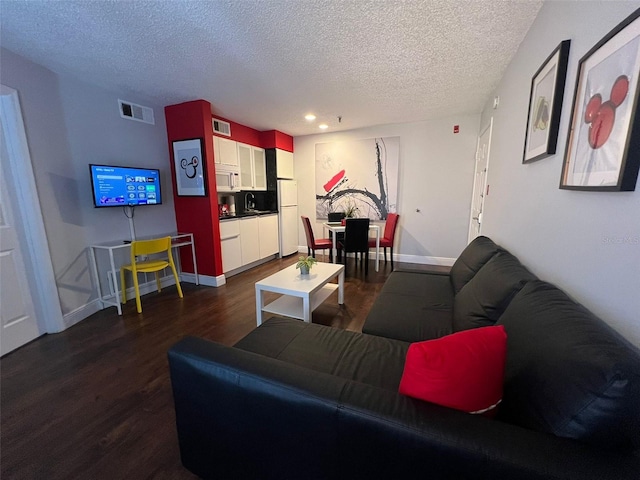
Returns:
(308, 231)
(336, 216)
(390, 226)
(149, 247)
(356, 235)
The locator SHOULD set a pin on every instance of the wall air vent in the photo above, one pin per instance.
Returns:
(223, 128)
(136, 112)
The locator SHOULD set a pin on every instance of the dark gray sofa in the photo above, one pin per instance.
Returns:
(295, 400)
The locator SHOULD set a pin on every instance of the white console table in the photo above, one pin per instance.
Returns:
(178, 240)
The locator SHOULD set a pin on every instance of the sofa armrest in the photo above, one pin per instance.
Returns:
(242, 415)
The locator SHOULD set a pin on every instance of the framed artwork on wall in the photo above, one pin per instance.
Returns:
(545, 105)
(603, 147)
(189, 163)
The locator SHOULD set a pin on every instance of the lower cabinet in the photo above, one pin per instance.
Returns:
(231, 247)
(248, 240)
(268, 230)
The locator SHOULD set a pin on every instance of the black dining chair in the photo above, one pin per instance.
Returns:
(337, 217)
(356, 240)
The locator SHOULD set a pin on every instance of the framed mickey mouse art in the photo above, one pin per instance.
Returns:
(189, 163)
(603, 148)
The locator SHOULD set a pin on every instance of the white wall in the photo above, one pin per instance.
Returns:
(436, 176)
(70, 124)
(588, 243)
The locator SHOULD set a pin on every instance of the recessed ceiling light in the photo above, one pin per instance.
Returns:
(310, 117)
(323, 126)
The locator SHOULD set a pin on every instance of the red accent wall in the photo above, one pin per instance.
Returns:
(198, 215)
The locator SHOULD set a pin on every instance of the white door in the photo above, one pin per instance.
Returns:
(480, 182)
(17, 312)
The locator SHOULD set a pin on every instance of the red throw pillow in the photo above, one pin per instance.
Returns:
(464, 370)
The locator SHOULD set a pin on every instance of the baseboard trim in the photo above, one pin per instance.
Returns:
(445, 261)
(398, 257)
(80, 313)
(210, 281)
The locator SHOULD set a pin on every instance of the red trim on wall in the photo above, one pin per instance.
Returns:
(240, 133)
(276, 139)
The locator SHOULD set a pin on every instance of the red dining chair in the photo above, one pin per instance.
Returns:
(389, 235)
(314, 244)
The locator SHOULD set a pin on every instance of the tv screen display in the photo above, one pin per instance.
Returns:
(125, 186)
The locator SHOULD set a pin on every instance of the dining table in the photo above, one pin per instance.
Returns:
(338, 227)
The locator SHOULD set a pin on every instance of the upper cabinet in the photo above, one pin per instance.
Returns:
(253, 171)
(225, 151)
(283, 161)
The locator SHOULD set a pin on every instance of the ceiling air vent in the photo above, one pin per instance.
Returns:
(136, 112)
(223, 128)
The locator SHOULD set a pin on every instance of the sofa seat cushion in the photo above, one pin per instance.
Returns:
(464, 370)
(412, 306)
(568, 373)
(473, 258)
(481, 301)
(376, 361)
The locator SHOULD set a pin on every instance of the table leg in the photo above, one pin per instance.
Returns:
(341, 287)
(193, 255)
(259, 304)
(306, 308)
(96, 276)
(335, 247)
(377, 250)
(115, 281)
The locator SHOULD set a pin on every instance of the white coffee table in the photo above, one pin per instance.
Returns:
(301, 294)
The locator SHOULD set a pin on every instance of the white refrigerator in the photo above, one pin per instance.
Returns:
(288, 218)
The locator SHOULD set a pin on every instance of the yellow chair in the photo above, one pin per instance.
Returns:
(148, 247)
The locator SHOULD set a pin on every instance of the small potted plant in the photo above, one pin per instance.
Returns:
(305, 264)
(350, 210)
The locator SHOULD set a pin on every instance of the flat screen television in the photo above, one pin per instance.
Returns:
(124, 186)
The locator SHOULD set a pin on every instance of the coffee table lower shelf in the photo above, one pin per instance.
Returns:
(290, 306)
(300, 294)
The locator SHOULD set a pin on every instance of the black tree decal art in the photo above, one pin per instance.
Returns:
(368, 203)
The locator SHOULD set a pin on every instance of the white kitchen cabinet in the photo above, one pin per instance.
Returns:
(225, 151)
(249, 239)
(259, 169)
(253, 167)
(231, 245)
(268, 234)
(284, 164)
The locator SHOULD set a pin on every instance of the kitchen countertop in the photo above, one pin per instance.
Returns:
(253, 213)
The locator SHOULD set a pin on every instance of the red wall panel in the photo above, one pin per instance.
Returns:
(198, 215)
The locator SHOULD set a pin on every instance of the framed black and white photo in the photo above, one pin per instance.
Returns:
(545, 105)
(603, 147)
(189, 165)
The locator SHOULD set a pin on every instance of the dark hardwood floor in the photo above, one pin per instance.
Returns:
(95, 402)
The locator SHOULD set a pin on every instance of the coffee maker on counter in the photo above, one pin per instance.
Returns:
(226, 205)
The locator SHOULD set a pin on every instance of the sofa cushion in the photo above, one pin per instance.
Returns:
(368, 359)
(464, 370)
(483, 299)
(472, 258)
(568, 373)
(412, 306)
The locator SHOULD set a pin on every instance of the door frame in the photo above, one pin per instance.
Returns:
(486, 177)
(37, 256)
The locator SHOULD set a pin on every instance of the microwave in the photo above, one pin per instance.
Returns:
(227, 180)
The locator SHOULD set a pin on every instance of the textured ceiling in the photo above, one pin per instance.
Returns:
(265, 63)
